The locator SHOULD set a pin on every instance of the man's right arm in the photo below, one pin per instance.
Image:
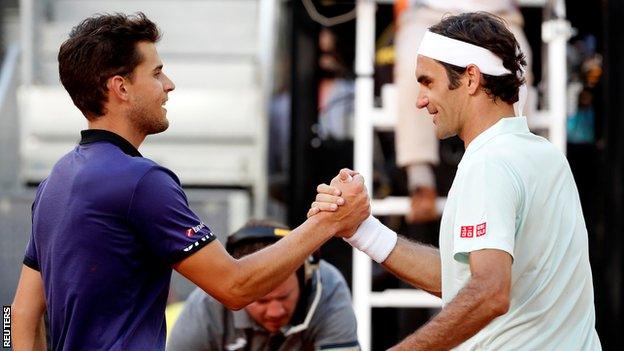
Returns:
(236, 283)
(27, 312)
(415, 263)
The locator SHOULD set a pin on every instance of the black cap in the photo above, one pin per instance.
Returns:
(255, 233)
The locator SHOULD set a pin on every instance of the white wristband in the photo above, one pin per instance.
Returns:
(374, 239)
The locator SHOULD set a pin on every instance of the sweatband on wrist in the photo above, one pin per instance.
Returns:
(374, 239)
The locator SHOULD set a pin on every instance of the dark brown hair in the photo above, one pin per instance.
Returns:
(490, 32)
(98, 48)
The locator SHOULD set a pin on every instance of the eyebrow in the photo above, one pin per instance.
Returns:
(423, 78)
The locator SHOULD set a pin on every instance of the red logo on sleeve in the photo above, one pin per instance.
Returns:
(481, 229)
(194, 230)
(467, 231)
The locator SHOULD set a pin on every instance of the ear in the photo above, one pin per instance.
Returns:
(117, 88)
(473, 74)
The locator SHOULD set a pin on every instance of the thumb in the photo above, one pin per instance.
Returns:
(345, 175)
(358, 178)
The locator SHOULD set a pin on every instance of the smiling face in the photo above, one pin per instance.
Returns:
(275, 310)
(445, 105)
(149, 87)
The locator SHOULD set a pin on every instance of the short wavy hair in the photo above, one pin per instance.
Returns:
(490, 32)
(98, 48)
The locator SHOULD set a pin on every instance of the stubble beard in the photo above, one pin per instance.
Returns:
(148, 122)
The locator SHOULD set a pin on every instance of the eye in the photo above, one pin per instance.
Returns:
(425, 82)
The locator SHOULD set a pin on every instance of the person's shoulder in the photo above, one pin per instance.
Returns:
(329, 271)
(199, 325)
(488, 156)
(331, 279)
(140, 169)
(334, 320)
(493, 165)
(200, 297)
(200, 303)
(153, 170)
(519, 153)
(118, 165)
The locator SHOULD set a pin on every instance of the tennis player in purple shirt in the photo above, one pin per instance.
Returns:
(110, 225)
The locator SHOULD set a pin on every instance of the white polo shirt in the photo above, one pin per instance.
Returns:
(515, 192)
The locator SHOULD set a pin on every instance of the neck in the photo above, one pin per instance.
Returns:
(114, 124)
(482, 116)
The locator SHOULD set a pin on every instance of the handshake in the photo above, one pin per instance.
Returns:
(345, 202)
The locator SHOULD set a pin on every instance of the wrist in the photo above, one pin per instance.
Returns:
(374, 239)
(324, 220)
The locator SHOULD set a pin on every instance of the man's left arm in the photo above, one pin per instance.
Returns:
(483, 298)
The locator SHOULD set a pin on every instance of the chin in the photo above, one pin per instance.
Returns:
(160, 127)
(272, 328)
(441, 134)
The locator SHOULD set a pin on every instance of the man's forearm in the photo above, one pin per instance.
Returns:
(416, 264)
(470, 311)
(28, 334)
(265, 269)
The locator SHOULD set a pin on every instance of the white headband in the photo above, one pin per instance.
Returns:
(462, 54)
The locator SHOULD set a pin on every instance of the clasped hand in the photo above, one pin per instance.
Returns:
(346, 199)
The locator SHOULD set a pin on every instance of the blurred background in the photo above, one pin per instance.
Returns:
(273, 97)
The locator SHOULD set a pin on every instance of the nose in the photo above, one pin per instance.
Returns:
(422, 100)
(168, 84)
(275, 309)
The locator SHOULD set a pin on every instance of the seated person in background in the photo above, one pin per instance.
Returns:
(311, 310)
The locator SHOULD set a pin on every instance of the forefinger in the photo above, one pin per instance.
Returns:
(329, 190)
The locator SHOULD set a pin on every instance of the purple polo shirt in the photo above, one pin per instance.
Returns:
(107, 227)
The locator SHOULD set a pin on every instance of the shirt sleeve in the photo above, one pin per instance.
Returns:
(337, 326)
(488, 201)
(160, 214)
(198, 327)
(31, 258)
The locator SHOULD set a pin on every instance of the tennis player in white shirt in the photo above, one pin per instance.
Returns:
(513, 266)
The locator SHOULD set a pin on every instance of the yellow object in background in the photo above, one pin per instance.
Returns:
(172, 312)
